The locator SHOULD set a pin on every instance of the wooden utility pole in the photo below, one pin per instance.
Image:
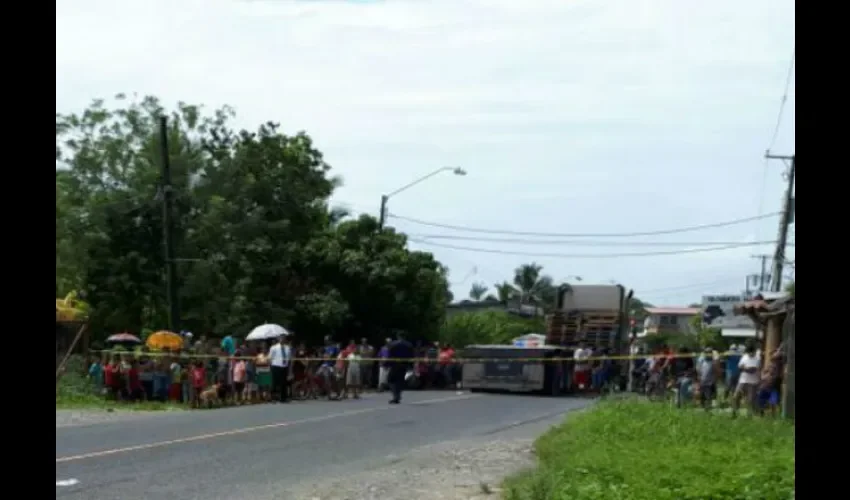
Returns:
(763, 278)
(168, 229)
(784, 222)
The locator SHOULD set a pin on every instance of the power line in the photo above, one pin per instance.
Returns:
(587, 243)
(586, 235)
(783, 101)
(687, 287)
(592, 256)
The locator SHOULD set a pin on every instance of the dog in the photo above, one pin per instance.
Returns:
(209, 396)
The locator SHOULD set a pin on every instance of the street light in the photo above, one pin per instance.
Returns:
(386, 197)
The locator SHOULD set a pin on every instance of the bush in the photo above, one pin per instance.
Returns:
(487, 327)
(635, 450)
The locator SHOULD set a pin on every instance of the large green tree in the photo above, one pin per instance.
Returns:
(256, 239)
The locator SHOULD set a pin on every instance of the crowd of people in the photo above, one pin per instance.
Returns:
(204, 374)
(739, 377)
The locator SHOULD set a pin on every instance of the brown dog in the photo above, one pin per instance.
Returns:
(209, 397)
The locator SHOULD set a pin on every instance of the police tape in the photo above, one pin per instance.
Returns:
(458, 360)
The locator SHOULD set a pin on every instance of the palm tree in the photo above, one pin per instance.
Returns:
(505, 292)
(534, 286)
(477, 291)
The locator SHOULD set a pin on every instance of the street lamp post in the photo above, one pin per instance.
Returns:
(386, 197)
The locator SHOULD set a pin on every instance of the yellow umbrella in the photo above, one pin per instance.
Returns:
(165, 340)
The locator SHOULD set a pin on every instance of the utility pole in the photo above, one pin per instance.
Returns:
(785, 221)
(763, 277)
(168, 230)
(383, 214)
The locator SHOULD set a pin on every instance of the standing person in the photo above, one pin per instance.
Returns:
(96, 375)
(279, 356)
(228, 345)
(199, 380)
(748, 380)
(264, 374)
(240, 377)
(733, 358)
(353, 374)
(175, 390)
(367, 363)
(224, 377)
(400, 355)
(771, 383)
(384, 367)
(707, 373)
(582, 367)
(446, 360)
(682, 373)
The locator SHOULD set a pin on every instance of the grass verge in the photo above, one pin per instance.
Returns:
(637, 450)
(75, 392)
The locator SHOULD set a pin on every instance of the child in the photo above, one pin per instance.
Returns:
(199, 377)
(175, 391)
(96, 375)
(239, 377)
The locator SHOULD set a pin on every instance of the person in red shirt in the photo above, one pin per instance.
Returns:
(446, 361)
(109, 379)
(198, 379)
(134, 385)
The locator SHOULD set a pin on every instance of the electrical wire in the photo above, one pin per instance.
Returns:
(586, 235)
(574, 242)
(783, 101)
(593, 256)
(726, 281)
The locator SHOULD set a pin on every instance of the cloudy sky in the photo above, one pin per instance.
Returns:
(570, 117)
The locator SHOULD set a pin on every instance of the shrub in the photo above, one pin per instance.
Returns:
(487, 327)
(635, 450)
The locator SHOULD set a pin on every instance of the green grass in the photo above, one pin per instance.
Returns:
(637, 450)
(75, 392)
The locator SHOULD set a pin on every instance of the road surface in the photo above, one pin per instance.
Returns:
(261, 451)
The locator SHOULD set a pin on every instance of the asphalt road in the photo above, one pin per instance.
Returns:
(233, 453)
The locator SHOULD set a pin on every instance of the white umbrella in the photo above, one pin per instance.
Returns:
(267, 331)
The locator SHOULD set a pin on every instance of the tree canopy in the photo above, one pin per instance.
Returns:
(255, 237)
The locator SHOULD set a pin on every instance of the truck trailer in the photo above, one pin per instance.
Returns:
(595, 316)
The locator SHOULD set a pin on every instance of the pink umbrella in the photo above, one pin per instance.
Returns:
(124, 338)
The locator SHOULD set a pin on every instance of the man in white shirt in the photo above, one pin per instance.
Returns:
(748, 380)
(280, 356)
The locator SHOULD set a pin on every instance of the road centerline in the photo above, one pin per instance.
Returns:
(245, 430)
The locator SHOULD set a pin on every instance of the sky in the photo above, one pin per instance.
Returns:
(569, 117)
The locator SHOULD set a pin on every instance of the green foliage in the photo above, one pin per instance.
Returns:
(635, 450)
(477, 291)
(487, 327)
(256, 240)
(790, 288)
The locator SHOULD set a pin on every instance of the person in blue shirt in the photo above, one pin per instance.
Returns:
(228, 345)
(401, 356)
(96, 375)
(732, 371)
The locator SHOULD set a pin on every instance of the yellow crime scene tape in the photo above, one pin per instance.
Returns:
(191, 356)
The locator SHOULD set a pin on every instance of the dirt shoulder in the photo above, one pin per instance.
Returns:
(457, 470)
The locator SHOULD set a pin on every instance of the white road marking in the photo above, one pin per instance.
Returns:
(67, 482)
(244, 430)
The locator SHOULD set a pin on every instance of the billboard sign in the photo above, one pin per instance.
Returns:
(718, 311)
